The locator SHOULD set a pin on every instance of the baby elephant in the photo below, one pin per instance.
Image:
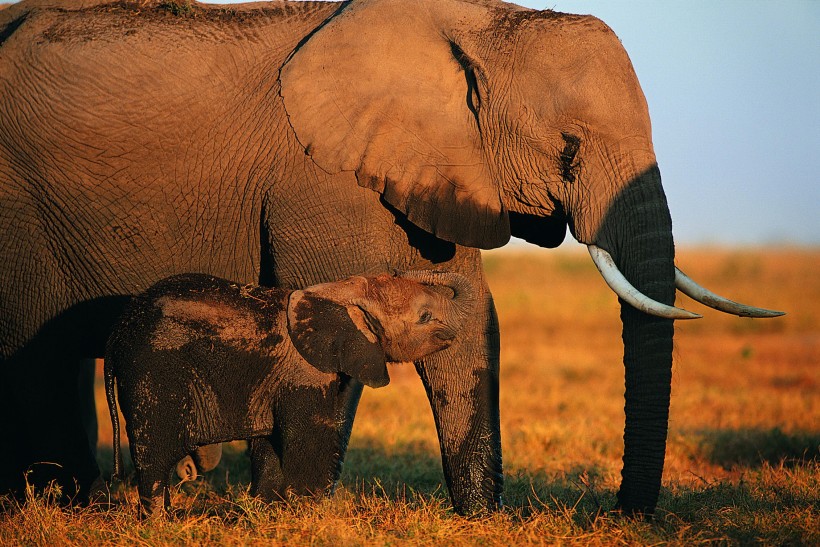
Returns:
(200, 360)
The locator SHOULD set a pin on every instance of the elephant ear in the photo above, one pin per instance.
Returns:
(380, 90)
(325, 335)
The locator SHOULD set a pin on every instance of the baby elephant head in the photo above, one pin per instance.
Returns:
(359, 324)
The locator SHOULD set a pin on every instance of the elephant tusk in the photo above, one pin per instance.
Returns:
(629, 294)
(691, 289)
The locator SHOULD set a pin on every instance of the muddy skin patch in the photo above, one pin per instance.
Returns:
(508, 23)
(319, 329)
(310, 442)
(289, 374)
(187, 9)
(184, 321)
(171, 335)
(569, 166)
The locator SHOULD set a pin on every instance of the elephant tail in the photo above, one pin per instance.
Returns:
(111, 397)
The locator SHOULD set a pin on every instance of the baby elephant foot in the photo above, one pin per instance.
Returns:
(155, 497)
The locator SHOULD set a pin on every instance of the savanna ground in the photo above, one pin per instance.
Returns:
(743, 459)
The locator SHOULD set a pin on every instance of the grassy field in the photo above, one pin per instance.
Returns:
(743, 459)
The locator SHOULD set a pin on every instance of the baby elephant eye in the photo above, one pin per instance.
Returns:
(425, 317)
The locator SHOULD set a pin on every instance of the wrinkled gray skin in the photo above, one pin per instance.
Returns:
(297, 143)
(199, 360)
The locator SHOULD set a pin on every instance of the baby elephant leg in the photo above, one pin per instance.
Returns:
(315, 427)
(266, 472)
(155, 496)
(202, 460)
(303, 455)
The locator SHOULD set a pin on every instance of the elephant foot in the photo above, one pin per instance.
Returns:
(627, 511)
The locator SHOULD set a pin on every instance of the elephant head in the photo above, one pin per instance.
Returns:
(480, 120)
(357, 325)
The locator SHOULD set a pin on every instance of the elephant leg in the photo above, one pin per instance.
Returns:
(462, 386)
(155, 448)
(315, 429)
(155, 494)
(43, 426)
(207, 457)
(266, 470)
(88, 405)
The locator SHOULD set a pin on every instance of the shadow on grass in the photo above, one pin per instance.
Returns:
(754, 447)
(394, 471)
(746, 512)
(775, 507)
(415, 470)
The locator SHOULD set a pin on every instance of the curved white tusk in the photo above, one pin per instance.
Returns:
(629, 294)
(691, 289)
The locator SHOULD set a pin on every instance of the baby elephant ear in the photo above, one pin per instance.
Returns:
(324, 334)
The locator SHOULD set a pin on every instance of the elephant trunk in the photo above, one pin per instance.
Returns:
(637, 231)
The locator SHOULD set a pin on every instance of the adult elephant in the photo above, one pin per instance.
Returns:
(297, 143)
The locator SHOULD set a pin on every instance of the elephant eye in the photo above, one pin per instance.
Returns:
(425, 317)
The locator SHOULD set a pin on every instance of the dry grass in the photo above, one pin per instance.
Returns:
(742, 460)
